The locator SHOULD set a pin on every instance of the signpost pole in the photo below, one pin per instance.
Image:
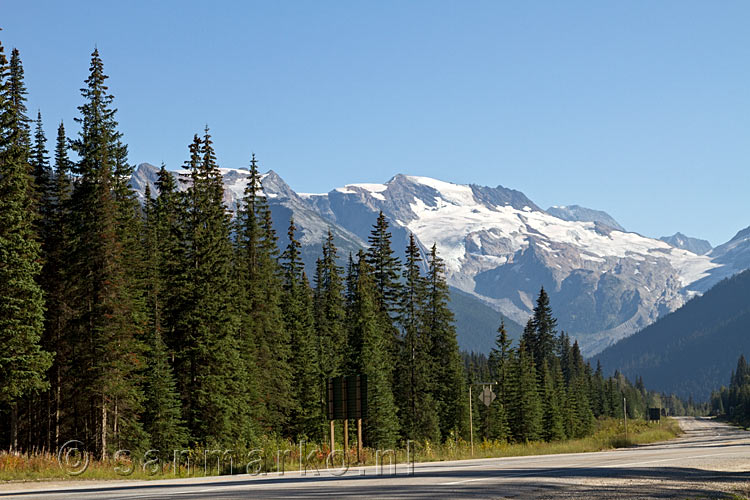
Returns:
(625, 416)
(359, 440)
(333, 442)
(346, 439)
(471, 422)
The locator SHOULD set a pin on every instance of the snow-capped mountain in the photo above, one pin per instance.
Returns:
(695, 245)
(583, 214)
(500, 247)
(731, 257)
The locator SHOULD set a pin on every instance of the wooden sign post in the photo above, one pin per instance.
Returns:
(347, 400)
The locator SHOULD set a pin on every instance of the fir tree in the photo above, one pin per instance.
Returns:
(56, 279)
(39, 160)
(597, 391)
(540, 333)
(330, 313)
(354, 340)
(22, 361)
(15, 102)
(449, 387)
(417, 407)
(40, 417)
(385, 269)
(526, 408)
(370, 325)
(307, 418)
(162, 415)
(501, 362)
(105, 305)
(330, 316)
(168, 266)
(552, 413)
(384, 265)
(262, 321)
(218, 410)
(580, 409)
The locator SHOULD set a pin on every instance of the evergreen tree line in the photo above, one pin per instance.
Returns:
(546, 390)
(733, 402)
(171, 322)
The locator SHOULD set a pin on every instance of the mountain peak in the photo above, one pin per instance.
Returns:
(695, 245)
(742, 234)
(577, 213)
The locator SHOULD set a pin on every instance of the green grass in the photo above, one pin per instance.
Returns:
(609, 434)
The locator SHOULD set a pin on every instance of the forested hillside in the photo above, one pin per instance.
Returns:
(691, 351)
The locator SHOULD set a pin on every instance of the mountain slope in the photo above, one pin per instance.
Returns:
(583, 214)
(477, 323)
(730, 258)
(695, 245)
(692, 350)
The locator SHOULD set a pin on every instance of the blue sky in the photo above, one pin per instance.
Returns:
(641, 109)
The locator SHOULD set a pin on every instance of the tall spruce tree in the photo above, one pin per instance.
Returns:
(15, 101)
(385, 266)
(208, 365)
(415, 382)
(501, 362)
(540, 333)
(162, 416)
(168, 251)
(372, 327)
(39, 160)
(354, 340)
(330, 315)
(526, 408)
(552, 412)
(261, 315)
(22, 361)
(108, 348)
(39, 407)
(307, 418)
(56, 279)
(449, 386)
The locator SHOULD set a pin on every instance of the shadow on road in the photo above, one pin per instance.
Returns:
(539, 482)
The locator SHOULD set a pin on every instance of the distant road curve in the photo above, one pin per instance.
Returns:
(711, 460)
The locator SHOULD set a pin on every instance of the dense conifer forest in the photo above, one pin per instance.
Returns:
(733, 402)
(175, 323)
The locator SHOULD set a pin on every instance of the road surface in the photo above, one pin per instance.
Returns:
(711, 460)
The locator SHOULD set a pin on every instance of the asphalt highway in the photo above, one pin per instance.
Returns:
(711, 460)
